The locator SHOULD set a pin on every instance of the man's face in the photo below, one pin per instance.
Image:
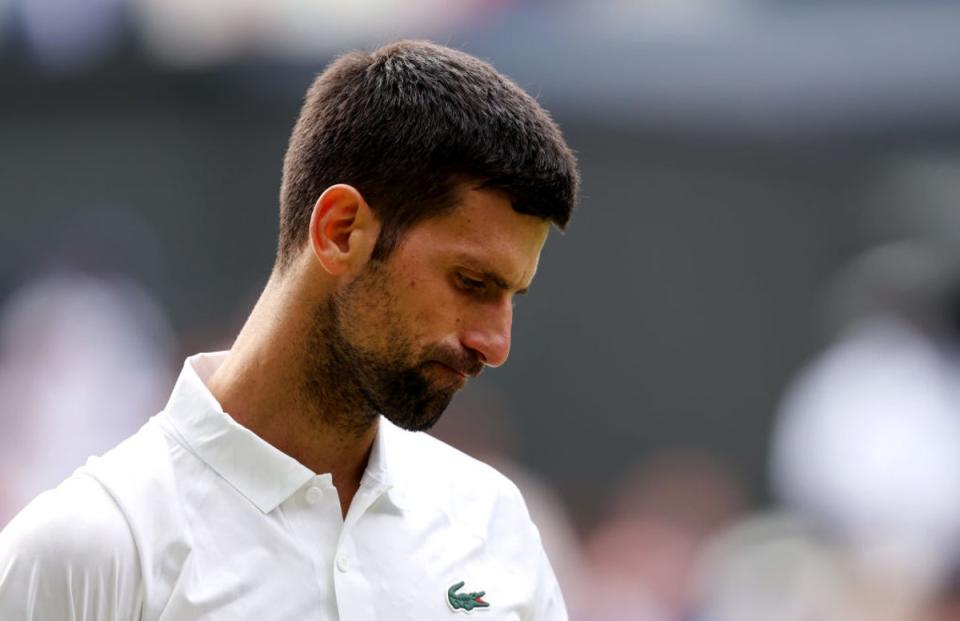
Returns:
(406, 333)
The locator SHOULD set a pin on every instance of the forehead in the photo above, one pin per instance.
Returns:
(484, 230)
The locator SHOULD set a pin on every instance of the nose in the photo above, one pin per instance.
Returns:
(489, 333)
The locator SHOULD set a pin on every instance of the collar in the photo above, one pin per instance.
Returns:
(259, 471)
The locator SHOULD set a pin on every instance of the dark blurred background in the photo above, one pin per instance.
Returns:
(744, 164)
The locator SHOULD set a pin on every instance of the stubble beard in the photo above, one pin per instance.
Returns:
(350, 385)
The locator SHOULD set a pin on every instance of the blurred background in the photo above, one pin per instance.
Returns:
(734, 393)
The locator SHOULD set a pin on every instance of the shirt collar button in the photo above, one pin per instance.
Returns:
(313, 495)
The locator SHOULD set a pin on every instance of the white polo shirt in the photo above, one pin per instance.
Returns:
(197, 518)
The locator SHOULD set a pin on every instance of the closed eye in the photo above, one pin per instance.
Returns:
(470, 284)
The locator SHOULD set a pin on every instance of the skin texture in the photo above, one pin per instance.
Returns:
(337, 338)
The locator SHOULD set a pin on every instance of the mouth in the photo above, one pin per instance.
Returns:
(462, 366)
(452, 370)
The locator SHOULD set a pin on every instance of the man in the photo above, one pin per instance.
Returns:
(284, 479)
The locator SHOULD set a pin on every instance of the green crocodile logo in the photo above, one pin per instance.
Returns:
(465, 601)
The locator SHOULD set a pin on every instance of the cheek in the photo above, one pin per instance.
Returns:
(401, 321)
(433, 308)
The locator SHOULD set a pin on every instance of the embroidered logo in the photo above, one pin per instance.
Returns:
(465, 601)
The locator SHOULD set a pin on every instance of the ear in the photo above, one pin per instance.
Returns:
(343, 229)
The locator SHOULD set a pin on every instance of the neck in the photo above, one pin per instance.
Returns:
(262, 384)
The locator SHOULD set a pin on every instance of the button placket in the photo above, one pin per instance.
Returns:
(344, 552)
(354, 597)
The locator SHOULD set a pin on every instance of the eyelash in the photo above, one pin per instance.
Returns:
(470, 284)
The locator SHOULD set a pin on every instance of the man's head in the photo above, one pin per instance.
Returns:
(408, 123)
(422, 184)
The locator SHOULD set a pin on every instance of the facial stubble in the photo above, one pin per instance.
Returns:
(361, 361)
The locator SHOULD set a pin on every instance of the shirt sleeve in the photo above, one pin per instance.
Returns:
(550, 606)
(70, 556)
(517, 528)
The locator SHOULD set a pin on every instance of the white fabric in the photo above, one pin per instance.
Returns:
(197, 518)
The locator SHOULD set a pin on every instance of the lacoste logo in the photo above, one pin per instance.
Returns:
(465, 601)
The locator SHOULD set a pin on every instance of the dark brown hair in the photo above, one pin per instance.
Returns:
(405, 125)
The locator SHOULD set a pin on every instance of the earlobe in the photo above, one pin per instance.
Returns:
(341, 229)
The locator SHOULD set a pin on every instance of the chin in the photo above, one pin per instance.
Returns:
(423, 415)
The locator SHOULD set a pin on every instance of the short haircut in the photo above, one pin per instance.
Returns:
(406, 126)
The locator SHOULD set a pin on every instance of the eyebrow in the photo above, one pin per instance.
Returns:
(474, 265)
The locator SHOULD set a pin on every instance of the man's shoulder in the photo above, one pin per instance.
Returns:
(91, 516)
(140, 472)
(471, 490)
(71, 548)
(70, 553)
(434, 460)
(78, 521)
